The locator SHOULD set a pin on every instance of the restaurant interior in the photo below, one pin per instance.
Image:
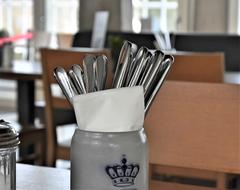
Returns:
(192, 123)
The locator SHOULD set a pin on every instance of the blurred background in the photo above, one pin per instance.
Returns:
(37, 23)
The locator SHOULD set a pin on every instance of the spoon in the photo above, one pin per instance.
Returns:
(100, 70)
(89, 75)
(167, 64)
(122, 65)
(64, 83)
(133, 65)
(79, 77)
(140, 65)
(158, 57)
(75, 81)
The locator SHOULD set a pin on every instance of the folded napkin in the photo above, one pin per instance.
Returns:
(113, 110)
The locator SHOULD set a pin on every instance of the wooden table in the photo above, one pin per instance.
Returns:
(25, 73)
(45, 178)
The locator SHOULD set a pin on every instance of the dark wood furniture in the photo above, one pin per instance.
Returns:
(52, 58)
(32, 137)
(25, 73)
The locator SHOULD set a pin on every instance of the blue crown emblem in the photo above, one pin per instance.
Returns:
(124, 174)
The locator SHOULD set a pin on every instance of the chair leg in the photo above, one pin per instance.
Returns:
(33, 137)
(51, 155)
(222, 181)
(150, 172)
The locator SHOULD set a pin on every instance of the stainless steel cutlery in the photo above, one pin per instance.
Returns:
(64, 83)
(100, 70)
(88, 73)
(79, 77)
(143, 67)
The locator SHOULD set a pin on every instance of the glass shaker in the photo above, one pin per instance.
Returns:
(8, 145)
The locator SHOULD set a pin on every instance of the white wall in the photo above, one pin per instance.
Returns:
(215, 16)
(211, 16)
(89, 7)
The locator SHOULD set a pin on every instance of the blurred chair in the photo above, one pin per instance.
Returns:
(51, 58)
(64, 40)
(193, 134)
(33, 138)
(32, 148)
(197, 67)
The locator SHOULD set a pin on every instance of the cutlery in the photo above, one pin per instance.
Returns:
(167, 65)
(64, 83)
(89, 75)
(158, 57)
(140, 65)
(75, 81)
(133, 65)
(79, 75)
(122, 65)
(100, 70)
(146, 69)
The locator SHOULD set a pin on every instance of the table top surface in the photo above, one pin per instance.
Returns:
(38, 178)
(22, 70)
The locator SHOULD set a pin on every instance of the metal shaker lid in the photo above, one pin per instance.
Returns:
(8, 135)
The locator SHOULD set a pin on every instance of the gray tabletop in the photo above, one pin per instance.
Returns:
(42, 178)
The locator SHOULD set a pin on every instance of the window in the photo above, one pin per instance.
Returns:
(62, 16)
(156, 15)
(16, 16)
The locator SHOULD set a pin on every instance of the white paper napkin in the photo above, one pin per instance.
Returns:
(114, 110)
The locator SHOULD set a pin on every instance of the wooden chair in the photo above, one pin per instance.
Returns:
(197, 67)
(32, 147)
(33, 138)
(51, 58)
(64, 40)
(193, 133)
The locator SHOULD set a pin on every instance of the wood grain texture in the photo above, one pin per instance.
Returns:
(159, 185)
(196, 125)
(198, 67)
(38, 178)
(52, 58)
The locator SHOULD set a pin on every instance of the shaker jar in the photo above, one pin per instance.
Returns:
(8, 145)
(108, 161)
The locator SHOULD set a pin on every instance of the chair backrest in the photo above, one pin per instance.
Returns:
(64, 40)
(195, 125)
(51, 58)
(197, 67)
(41, 39)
